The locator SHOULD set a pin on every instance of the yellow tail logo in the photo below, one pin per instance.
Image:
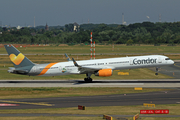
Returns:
(17, 59)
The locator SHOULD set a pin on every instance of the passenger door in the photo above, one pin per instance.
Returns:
(159, 59)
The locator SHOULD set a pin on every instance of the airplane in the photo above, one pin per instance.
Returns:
(98, 67)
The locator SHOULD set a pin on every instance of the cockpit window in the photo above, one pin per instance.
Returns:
(167, 58)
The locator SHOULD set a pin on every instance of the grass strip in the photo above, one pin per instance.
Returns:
(108, 110)
(15, 93)
(100, 49)
(51, 118)
(82, 118)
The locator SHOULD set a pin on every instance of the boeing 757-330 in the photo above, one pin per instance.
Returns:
(98, 67)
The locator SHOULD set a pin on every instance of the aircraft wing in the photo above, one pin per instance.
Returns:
(85, 69)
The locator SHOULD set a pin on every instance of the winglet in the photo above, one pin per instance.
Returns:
(68, 59)
(75, 63)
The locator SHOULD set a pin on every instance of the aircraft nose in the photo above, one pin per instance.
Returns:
(172, 61)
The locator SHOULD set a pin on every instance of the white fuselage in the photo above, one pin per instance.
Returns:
(65, 68)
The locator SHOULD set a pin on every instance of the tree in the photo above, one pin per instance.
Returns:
(129, 42)
(167, 34)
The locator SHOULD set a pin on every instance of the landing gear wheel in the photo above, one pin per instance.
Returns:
(88, 80)
(156, 71)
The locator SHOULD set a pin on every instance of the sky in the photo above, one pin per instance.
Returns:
(61, 12)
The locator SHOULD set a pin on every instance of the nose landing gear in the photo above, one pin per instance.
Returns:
(156, 71)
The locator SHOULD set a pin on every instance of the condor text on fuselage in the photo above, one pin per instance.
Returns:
(144, 61)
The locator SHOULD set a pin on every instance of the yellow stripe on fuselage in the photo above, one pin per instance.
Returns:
(46, 68)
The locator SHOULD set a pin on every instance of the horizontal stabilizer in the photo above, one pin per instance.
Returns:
(18, 71)
(11, 68)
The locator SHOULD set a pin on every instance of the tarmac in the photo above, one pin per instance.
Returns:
(148, 83)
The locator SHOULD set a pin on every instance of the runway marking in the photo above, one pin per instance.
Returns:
(176, 65)
(31, 103)
(5, 104)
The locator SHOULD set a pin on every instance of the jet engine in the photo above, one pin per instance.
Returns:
(104, 73)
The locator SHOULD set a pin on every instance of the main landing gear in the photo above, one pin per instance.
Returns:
(156, 71)
(88, 79)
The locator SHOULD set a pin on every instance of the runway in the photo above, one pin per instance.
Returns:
(163, 97)
(150, 83)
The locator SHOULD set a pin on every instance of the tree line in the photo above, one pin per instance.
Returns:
(137, 33)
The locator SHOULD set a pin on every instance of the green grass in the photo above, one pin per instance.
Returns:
(108, 110)
(101, 49)
(81, 118)
(158, 118)
(51, 118)
(14, 93)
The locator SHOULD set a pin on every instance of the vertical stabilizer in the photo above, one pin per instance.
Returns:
(16, 57)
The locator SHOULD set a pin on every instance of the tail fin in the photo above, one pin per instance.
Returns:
(16, 57)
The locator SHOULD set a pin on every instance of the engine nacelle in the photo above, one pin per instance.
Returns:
(104, 73)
